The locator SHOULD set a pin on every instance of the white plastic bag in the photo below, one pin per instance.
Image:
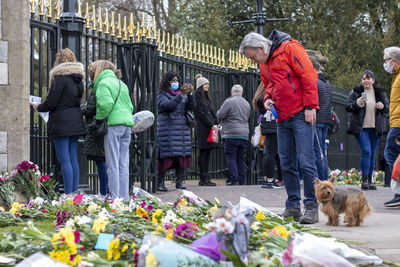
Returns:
(255, 139)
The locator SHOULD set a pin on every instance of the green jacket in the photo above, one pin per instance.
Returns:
(106, 91)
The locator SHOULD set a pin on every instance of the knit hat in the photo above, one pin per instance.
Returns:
(317, 59)
(200, 81)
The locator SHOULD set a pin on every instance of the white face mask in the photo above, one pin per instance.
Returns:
(387, 67)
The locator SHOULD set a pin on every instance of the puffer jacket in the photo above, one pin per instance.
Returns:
(63, 101)
(106, 90)
(173, 133)
(358, 114)
(394, 113)
(289, 77)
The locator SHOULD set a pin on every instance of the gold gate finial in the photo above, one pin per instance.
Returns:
(49, 9)
(167, 44)
(155, 36)
(58, 9)
(163, 42)
(143, 27)
(106, 24)
(100, 21)
(79, 9)
(94, 18)
(112, 24)
(148, 29)
(185, 49)
(41, 7)
(194, 51)
(119, 27)
(159, 40)
(173, 44)
(87, 18)
(131, 26)
(190, 49)
(33, 6)
(125, 29)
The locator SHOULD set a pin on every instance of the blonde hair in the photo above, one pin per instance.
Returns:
(101, 65)
(63, 56)
(260, 92)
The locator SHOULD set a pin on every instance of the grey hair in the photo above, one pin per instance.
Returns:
(255, 40)
(392, 52)
(237, 88)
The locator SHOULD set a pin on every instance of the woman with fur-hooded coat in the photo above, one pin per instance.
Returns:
(65, 121)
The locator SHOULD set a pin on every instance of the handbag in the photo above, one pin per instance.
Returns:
(213, 136)
(191, 122)
(255, 138)
(100, 127)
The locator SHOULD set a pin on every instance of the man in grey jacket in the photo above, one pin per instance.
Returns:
(234, 115)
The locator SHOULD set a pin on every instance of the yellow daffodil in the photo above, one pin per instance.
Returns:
(157, 217)
(260, 216)
(133, 247)
(16, 207)
(282, 230)
(170, 234)
(140, 211)
(113, 252)
(151, 260)
(99, 225)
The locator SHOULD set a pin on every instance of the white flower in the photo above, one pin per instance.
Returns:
(132, 205)
(70, 224)
(39, 201)
(84, 220)
(256, 226)
(222, 225)
(55, 203)
(241, 219)
(104, 214)
(93, 207)
(210, 226)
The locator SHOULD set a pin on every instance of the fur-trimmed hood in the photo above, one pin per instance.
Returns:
(68, 68)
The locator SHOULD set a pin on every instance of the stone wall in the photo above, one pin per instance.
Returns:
(14, 82)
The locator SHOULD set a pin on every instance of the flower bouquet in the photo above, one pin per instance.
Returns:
(26, 179)
(6, 189)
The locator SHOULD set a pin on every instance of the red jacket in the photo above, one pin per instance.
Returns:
(289, 79)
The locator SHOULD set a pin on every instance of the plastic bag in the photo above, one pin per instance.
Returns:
(255, 138)
(213, 136)
(210, 246)
(396, 169)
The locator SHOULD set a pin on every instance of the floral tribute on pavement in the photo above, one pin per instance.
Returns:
(354, 177)
(147, 232)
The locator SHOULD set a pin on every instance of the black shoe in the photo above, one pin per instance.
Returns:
(231, 183)
(206, 183)
(395, 202)
(310, 214)
(267, 185)
(386, 185)
(292, 212)
(276, 185)
(179, 185)
(162, 188)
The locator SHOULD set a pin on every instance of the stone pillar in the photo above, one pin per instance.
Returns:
(14, 83)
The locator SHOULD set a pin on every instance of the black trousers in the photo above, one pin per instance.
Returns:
(271, 157)
(204, 160)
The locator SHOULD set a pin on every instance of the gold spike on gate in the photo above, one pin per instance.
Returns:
(112, 26)
(163, 42)
(177, 46)
(207, 59)
(203, 53)
(131, 27)
(167, 44)
(185, 49)
(155, 31)
(219, 57)
(159, 40)
(181, 47)
(32, 3)
(79, 9)
(190, 49)
(49, 9)
(138, 31)
(100, 21)
(41, 7)
(143, 31)
(194, 51)
(57, 8)
(125, 30)
(119, 27)
(106, 24)
(94, 18)
(173, 44)
(223, 58)
(148, 29)
(199, 57)
(87, 19)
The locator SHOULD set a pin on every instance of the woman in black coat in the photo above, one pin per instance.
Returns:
(65, 122)
(206, 118)
(368, 106)
(174, 142)
(268, 129)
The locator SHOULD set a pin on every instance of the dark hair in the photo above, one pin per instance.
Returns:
(165, 81)
(203, 95)
(369, 74)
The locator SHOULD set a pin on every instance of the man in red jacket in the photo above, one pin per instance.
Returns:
(290, 83)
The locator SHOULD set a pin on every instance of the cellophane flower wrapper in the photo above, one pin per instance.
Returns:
(210, 245)
(159, 251)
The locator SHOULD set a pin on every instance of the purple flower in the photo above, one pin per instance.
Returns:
(143, 204)
(150, 207)
(185, 230)
(287, 255)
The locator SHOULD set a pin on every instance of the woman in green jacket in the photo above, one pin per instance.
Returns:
(114, 103)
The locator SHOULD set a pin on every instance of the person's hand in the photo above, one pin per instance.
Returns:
(35, 106)
(268, 103)
(379, 105)
(187, 88)
(310, 116)
(361, 101)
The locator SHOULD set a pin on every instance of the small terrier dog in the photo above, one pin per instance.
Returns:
(351, 201)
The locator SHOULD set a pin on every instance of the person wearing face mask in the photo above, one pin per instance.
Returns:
(368, 105)
(173, 133)
(206, 118)
(391, 59)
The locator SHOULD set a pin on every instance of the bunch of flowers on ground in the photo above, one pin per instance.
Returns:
(354, 177)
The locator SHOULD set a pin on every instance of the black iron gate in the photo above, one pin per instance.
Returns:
(143, 54)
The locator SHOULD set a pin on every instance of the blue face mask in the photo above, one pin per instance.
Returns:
(174, 86)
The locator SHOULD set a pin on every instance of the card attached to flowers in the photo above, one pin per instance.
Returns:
(103, 241)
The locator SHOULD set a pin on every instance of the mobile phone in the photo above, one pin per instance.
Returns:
(364, 94)
(187, 80)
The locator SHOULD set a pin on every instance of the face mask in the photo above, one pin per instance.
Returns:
(174, 86)
(387, 67)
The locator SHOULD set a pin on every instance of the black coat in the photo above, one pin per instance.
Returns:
(63, 101)
(358, 114)
(267, 127)
(93, 146)
(173, 133)
(205, 118)
(324, 99)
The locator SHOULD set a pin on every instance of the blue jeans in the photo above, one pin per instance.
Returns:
(234, 154)
(392, 150)
(103, 177)
(296, 142)
(116, 148)
(368, 142)
(66, 150)
(320, 163)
